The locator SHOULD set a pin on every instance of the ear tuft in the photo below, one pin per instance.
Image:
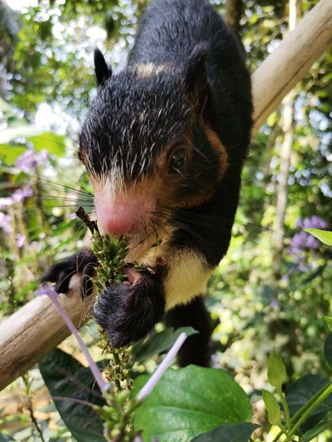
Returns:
(102, 70)
(195, 76)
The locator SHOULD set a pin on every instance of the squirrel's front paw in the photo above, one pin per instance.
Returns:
(128, 311)
(83, 263)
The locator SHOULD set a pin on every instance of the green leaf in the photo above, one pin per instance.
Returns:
(328, 349)
(304, 389)
(228, 433)
(323, 235)
(9, 153)
(159, 343)
(65, 376)
(276, 372)
(328, 320)
(272, 407)
(53, 143)
(316, 431)
(188, 402)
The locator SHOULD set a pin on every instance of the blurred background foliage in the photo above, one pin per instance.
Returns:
(274, 285)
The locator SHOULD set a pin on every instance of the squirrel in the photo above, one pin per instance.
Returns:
(164, 143)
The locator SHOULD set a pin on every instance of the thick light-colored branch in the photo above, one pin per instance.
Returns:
(37, 328)
(292, 59)
(34, 330)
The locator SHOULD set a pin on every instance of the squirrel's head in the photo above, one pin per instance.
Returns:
(147, 143)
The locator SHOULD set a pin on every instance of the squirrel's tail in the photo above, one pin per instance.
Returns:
(196, 348)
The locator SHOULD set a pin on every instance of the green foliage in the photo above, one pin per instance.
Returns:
(328, 349)
(328, 321)
(228, 433)
(159, 343)
(272, 407)
(303, 390)
(276, 372)
(58, 369)
(190, 401)
(322, 235)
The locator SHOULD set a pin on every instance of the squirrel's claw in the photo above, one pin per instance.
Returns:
(83, 263)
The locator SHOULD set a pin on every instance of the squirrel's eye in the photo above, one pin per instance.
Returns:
(178, 159)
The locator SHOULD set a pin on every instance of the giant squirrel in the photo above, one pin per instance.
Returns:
(164, 143)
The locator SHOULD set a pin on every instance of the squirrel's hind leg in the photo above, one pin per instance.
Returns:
(195, 350)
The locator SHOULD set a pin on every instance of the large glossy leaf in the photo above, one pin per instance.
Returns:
(190, 401)
(159, 343)
(64, 376)
(304, 389)
(228, 433)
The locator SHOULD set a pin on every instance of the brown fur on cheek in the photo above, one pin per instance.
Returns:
(218, 147)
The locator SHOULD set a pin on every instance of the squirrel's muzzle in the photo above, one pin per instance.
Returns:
(120, 216)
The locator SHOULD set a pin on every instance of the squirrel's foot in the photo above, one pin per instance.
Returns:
(128, 311)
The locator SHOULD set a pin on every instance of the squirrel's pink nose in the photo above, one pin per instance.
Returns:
(122, 217)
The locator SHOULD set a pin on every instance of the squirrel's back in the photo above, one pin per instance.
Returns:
(169, 32)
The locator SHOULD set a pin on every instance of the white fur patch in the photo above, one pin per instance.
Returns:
(187, 277)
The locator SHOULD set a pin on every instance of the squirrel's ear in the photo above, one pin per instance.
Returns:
(196, 78)
(102, 70)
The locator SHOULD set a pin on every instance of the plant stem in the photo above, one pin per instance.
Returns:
(304, 408)
(29, 406)
(118, 364)
(311, 408)
(284, 431)
(285, 407)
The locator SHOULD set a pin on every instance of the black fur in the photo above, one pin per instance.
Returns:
(83, 263)
(195, 350)
(127, 313)
(132, 120)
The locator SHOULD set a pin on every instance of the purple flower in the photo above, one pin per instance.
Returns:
(27, 162)
(43, 156)
(274, 303)
(299, 242)
(5, 223)
(314, 222)
(318, 223)
(20, 194)
(299, 223)
(312, 242)
(30, 160)
(20, 240)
